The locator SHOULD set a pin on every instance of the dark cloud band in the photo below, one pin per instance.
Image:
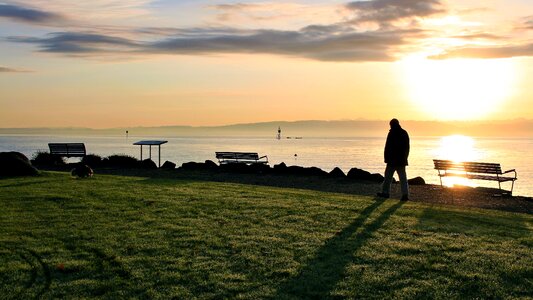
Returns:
(312, 43)
(28, 15)
(488, 52)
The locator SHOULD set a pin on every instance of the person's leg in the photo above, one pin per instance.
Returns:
(385, 188)
(403, 181)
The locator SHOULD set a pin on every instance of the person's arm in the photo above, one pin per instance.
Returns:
(387, 148)
(407, 145)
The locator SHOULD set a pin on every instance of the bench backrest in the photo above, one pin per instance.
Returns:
(237, 155)
(67, 149)
(469, 167)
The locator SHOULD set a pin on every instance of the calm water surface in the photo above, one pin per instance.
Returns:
(325, 153)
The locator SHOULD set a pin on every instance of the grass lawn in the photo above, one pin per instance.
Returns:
(124, 237)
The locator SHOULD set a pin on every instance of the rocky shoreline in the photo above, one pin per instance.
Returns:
(356, 181)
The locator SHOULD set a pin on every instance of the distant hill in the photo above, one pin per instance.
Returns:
(305, 129)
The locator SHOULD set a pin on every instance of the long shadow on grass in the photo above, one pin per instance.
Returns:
(315, 183)
(318, 278)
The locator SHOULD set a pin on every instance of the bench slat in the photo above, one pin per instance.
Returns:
(67, 149)
(473, 170)
(243, 157)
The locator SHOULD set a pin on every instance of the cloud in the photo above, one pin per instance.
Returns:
(28, 15)
(529, 23)
(373, 46)
(96, 10)
(487, 52)
(384, 12)
(11, 70)
(276, 14)
(478, 36)
(79, 43)
(333, 43)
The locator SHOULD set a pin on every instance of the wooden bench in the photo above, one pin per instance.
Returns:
(67, 149)
(474, 170)
(240, 157)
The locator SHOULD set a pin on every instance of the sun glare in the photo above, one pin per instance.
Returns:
(457, 148)
(458, 89)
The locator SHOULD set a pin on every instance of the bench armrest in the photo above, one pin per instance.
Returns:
(263, 157)
(509, 171)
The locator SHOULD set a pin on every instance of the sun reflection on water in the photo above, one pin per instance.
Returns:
(457, 148)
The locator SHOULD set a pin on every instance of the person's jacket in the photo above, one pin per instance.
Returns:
(397, 147)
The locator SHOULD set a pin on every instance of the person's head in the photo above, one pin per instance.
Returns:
(394, 123)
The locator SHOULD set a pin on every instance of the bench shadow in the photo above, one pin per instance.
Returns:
(319, 276)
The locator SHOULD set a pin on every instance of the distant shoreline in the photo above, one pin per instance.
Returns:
(304, 129)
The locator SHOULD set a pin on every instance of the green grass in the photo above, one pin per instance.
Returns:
(132, 237)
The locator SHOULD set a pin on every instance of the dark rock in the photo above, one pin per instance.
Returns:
(168, 165)
(16, 164)
(416, 181)
(236, 168)
(358, 174)
(148, 164)
(337, 172)
(194, 166)
(82, 171)
(295, 170)
(280, 169)
(300, 171)
(314, 171)
(376, 177)
(260, 168)
(210, 164)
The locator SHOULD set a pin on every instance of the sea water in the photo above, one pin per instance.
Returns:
(326, 153)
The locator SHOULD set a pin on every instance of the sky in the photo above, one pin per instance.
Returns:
(109, 63)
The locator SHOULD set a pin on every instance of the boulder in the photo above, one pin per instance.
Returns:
(416, 181)
(236, 168)
(260, 168)
(168, 165)
(82, 171)
(301, 171)
(210, 164)
(337, 172)
(148, 164)
(295, 170)
(16, 164)
(359, 174)
(314, 171)
(280, 168)
(195, 166)
(376, 177)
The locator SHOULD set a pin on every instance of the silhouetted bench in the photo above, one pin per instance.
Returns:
(240, 157)
(67, 149)
(474, 170)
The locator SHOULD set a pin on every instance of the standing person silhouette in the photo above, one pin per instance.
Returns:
(396, 154)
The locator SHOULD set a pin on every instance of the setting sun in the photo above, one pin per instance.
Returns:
(458, 89)
(458, 148)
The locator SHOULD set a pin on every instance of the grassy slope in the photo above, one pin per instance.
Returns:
(136, 237)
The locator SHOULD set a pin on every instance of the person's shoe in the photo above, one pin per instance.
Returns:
(383, 195)
(404, 198)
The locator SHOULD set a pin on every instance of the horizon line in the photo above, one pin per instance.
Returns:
(267, 122)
